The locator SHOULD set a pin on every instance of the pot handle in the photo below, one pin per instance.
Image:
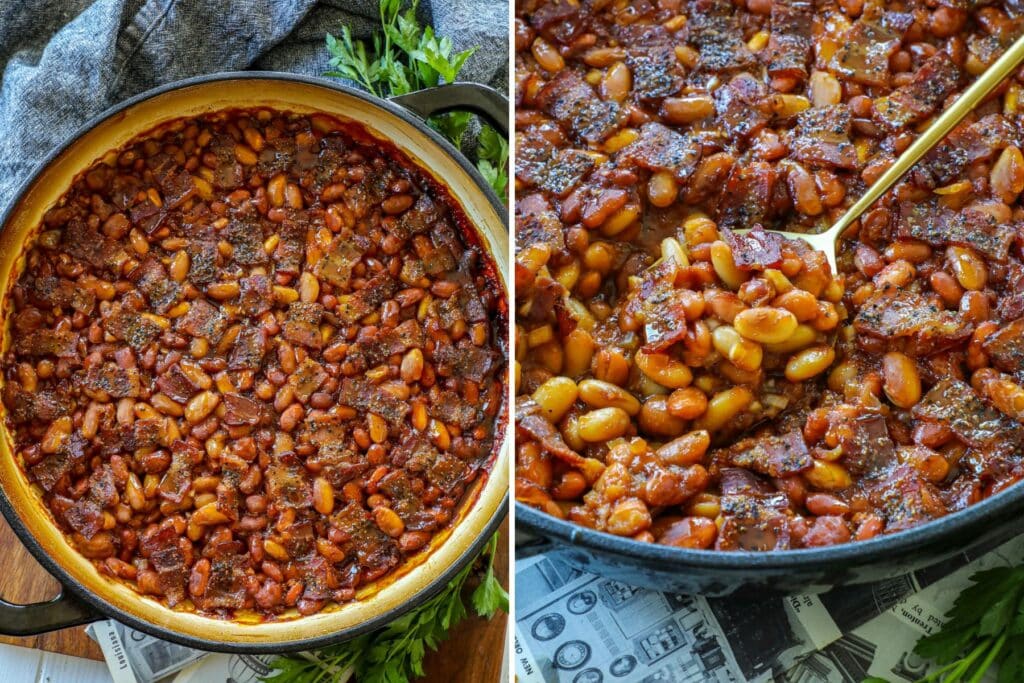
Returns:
(42, 617)
(459, 96)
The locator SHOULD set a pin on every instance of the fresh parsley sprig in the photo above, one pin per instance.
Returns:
(984, 630)
(405, 56)
(395, 653)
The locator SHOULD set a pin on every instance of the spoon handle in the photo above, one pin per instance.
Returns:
(936, 132)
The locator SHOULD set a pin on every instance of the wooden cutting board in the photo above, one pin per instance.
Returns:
(22, 580)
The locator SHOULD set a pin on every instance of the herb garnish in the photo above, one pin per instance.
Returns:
(405, 56)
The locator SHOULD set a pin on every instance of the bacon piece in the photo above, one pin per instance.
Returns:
(573, 103)
(747, 197)
(87, 244)
(226, 586)
(537, 223)
(62, 343)
(203, 320)
(907, 315)
(43, 404)
(918, 99)
(148, 216)
(561, 19)
(372, 548)
(969, 142)
(758, 249)
(246, 239)
(867, 447)
(464, 359)
(789, 42)
(954, 404)
(58, 292)
(359, 393)
(418, 218)
(203, 259)
(1005, 348)
(739, 105)
(163, 550)
(130, 326)
(659, 148)
(336, 265)
(114, 380)
(378, 346)
(249, 349)
(307, 378)
(289, 486)
(541, 165)
(656, 72)
(905, 499)
(85, 516)
(532, 425)
(378, 289)
(177, 480)
(450, 408)
(340, 464)
(398, 487)
(302, 326)
(291, 249)
(52, 468)
(446, 472)
(716, 33)
(864, 56)
(256, 294)
(822, 137)
(932, 222)
(775, 456)
(241, 410)
(152, 280)
(754, 522)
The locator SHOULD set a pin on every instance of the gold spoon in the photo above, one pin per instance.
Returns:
(827, 241)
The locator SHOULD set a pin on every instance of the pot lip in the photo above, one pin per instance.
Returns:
(105, 609)
(855, 553)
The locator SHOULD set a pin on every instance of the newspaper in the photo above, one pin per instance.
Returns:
(136, 657)
(576, 627)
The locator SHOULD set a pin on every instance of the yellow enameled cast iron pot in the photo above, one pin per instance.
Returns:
(88, 595)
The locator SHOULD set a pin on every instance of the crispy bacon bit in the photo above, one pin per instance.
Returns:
(531, 424)
(163, 550)
(954, 404)
(378, 289)
(573, 103)
(548, 168)
(289, 485)
(932, 222)
(822, 136)
(246, 239)
(291, 249)
(464, 359)
(660, 148)
(177, 480)
(256, 294)
(131, 327)
(418, 219)
(203, 320)
(361, 394)
(152, 280)
(53, 467)
(754, 250)
(775, 456)
(906, 315)
(789, 43)
(747, 196)
(969, 142)
(303, 324)
(866, 445)
(754, 522)
(905, 499)
(86, 244)
(656, 72)
(716, 33)
(44, 342)
(58, 292)
(446, 472)
(46, 405)
(739, 106)
(249, 349)
(307, 378)
(537, 223)
(864, 55)
(917, 100)
(1005, 347)
(241, 410)
(450, 408)
(203, 257)
(336, 265)
(226, 586)
(113, 380)
(376, 348)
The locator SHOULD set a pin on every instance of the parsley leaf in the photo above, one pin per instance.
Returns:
(984, 630)
(405, 56)
(395, 653)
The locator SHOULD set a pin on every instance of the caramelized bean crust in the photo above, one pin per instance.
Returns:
(256, 361)
(676, 380)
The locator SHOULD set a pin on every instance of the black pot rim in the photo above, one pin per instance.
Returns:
(856, 553)
(106, 610)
